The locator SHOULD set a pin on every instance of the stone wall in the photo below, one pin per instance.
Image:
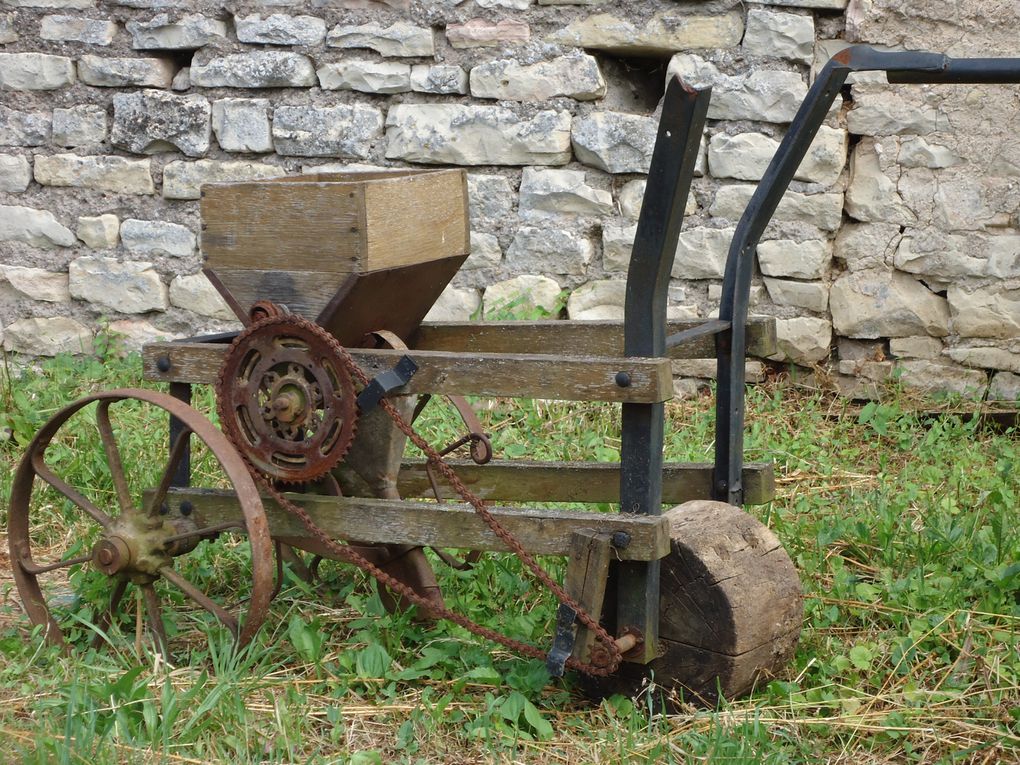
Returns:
(897, 249)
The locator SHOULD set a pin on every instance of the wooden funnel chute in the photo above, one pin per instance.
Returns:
(354, 252)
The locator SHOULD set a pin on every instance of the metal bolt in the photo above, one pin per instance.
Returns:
(620, 539)
(623, 379)
(163, 364)
(186, 508)
(105, 556)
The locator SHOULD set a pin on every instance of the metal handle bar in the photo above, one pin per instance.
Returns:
(902, 67)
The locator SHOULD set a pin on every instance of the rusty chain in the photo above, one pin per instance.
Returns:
(345, 553)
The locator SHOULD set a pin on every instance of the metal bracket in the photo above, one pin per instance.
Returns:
(386, 382)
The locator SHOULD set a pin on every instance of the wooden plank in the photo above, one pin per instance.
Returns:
(283, 226)
(589, 482)
(541, 532)
(305, 293)
(598, 338)
(568, 378)
(585, 582)
(416, 218)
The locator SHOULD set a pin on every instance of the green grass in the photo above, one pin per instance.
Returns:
(903, 526)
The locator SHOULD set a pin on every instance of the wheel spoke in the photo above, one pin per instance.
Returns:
(201, 598)
(177, 451)
(106, 618)
(35, 568)
(155, 617)
(43, 471)
(113, 457)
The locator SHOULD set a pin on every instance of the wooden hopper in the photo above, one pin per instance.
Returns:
(354, 252)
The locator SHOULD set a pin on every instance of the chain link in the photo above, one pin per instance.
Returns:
(349, 555)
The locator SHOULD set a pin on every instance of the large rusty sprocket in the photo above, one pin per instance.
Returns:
(285, 400)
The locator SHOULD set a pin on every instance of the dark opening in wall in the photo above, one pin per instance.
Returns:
(634, 84)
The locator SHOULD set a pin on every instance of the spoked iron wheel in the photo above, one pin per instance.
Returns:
(121, 534)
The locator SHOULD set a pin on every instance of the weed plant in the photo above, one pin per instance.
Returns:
(900, 515)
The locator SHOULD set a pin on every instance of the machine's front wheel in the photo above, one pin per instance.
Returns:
(83, 529)
(730, 610)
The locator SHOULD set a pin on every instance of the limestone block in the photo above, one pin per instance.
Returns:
(151, 122)
(1005, 386)
(867, 245)
(932, 252)
(254, 69)
(37, 283)
(132, 335)
(19, 128)
(931, 378)
(915, 151)
(183, 180)
(366, 76)
(664, 33)
(598, 300)
(47, 337)
(517, 5)
(154, 237)
(921, 347)
(83, 125)
(632, 196)
(521, 296)
(985, 357)
(280, 29)
(763, 95)
(550, 250)
(38, 228)
(242, 124)
(992, 311)
(455, 304)
(615, 142)
(804, 340)
(784, 35)
(811, 296)
(485, 252)
(872, 304)
(824, 211)
(35, 71)
(77, 29)
(859, 350)
(116, 174)
(879, 110)
(959, 204)
(867, 369)
(344, 130)
(398, 39)
(743, 156)
(546, 193)
(576, 76)
(701, 253)
(111, 285)
(182, 80)
(15, 173)
(126, 72)
(100, 232)
(8, 33)
(476, 135)
(822, 4)
(872, 196)
(444, 79)
(195, 293)
(189, 31)
(479, 33)
(490, 200)
(800, 260)
(617, 243)
(826, 157)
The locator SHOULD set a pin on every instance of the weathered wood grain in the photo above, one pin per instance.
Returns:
(590, 482)
(595, 338)
(542, 532)
(526, 376)
(585, 582)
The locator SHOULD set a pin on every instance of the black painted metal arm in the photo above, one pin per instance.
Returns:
(901, 66)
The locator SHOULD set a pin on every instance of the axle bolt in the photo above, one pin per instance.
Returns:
(186, 508)
(111, 555)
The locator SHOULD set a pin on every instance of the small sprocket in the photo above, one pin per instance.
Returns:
(286, 400)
